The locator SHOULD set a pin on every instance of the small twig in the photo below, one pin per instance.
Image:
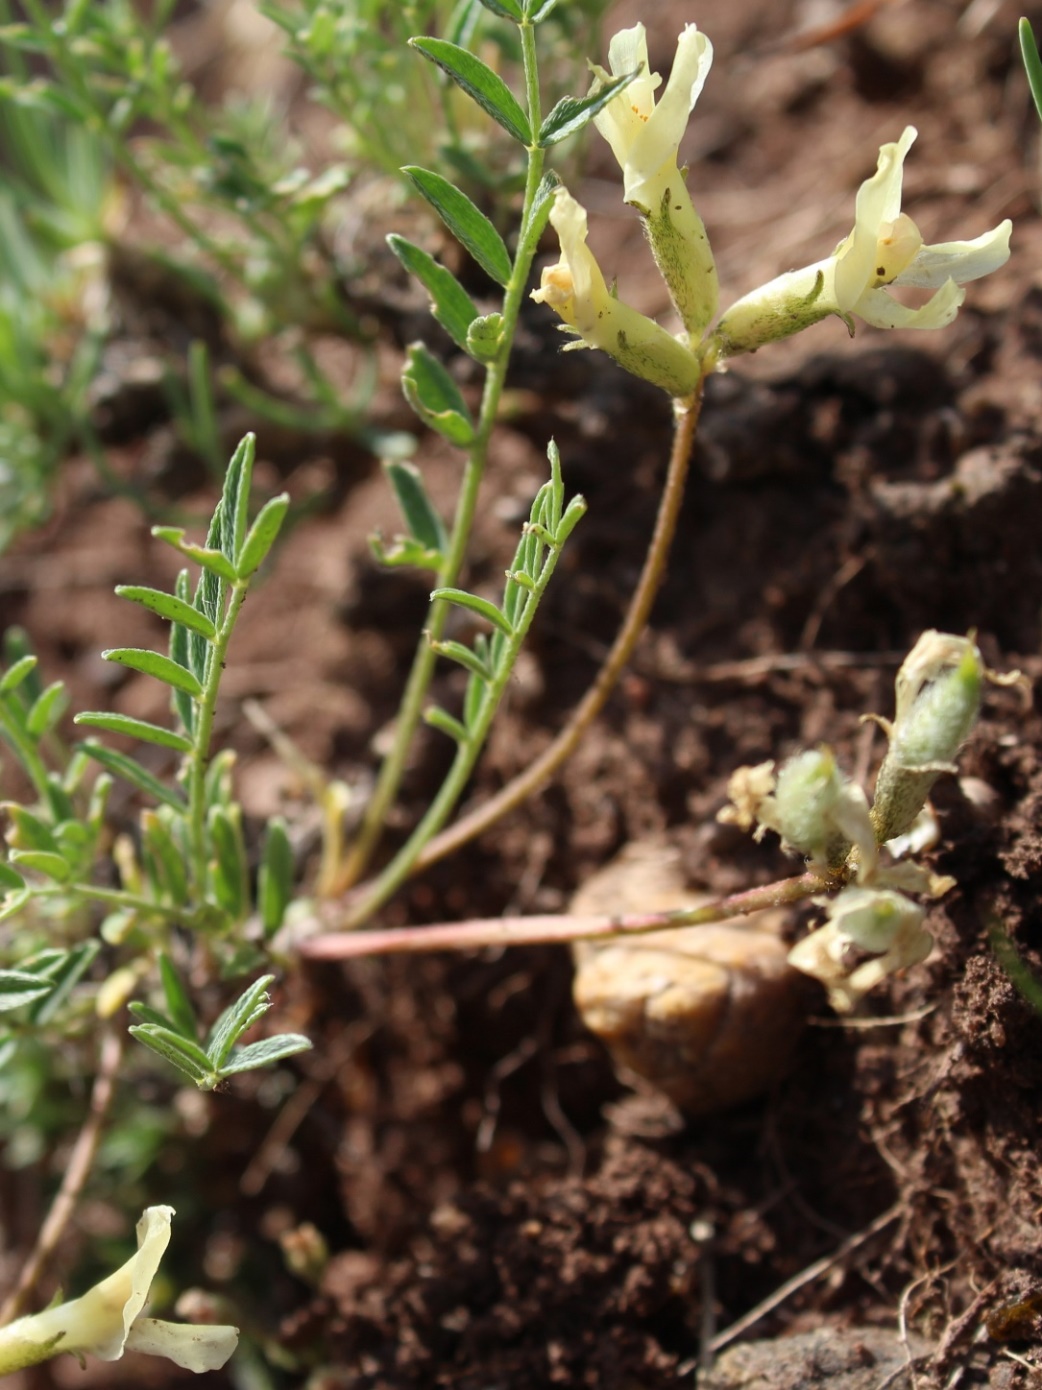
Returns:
(77, 1171)
(558, 928)
(806, 1276)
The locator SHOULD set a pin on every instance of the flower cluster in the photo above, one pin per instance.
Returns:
(884, 249)
(873, 927)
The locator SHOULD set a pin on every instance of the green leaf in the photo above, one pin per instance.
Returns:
(182, 703)
(41, 861)
(178, 1004)
(14, 902)
(480, 83)
(435, 397)
(214, 561)
(13, 678)
(456, 651)
(483, 607)
(10, 881)
(75, 965)
(263, 1053)
(237, 1019)
(175, 610)
(262, 534)
(572, 113)
(466, 223)
(235, 500)
(180, 1052)
(275, 877)
(47, 709)
(28, 831)
(135, 728)
(506, 9)
(538, 10)
(439, 718)
(152, 664)
(147, 1014)
(451, 305)
(421, 520)
(168, 860)
(229, 866)
(134, 773)
(18, 987)
(1032, 63)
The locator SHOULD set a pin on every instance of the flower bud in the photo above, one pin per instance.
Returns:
(938, 697)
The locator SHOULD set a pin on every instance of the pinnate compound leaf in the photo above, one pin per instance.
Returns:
(572, 113)
(134, 728)
(134, 773)
(435, 397)
(263, 1053)
(262, 534)
(175, 610)
(207, 557)
(19, 987)
(153, 664)
(185, 1055)
(480, 83)
(466, 222)
(451, 305)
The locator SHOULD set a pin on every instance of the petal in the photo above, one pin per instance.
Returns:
(879, 309)
(568, 219)
(665, 129)
(192, 1346)
(623, 119)
(961, 261)
(878, 202)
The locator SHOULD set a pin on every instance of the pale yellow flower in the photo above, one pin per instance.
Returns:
(884, 249)
(107, 1320)
(645, 137)
(575, 289)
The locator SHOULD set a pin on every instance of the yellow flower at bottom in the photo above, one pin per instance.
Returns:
(575, 289)
(107, 1319)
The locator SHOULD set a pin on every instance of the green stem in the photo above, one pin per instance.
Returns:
(113, 897)
(411, 708)
(198, 759)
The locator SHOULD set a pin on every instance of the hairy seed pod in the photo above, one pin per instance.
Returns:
(708, 1015)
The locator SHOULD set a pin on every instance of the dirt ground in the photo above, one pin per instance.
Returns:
(502, 1209)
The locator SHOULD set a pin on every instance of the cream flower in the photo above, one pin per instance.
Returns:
(885, 248)
(645, 136)
(107, 1319)
(645, 139)
(575, 289)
